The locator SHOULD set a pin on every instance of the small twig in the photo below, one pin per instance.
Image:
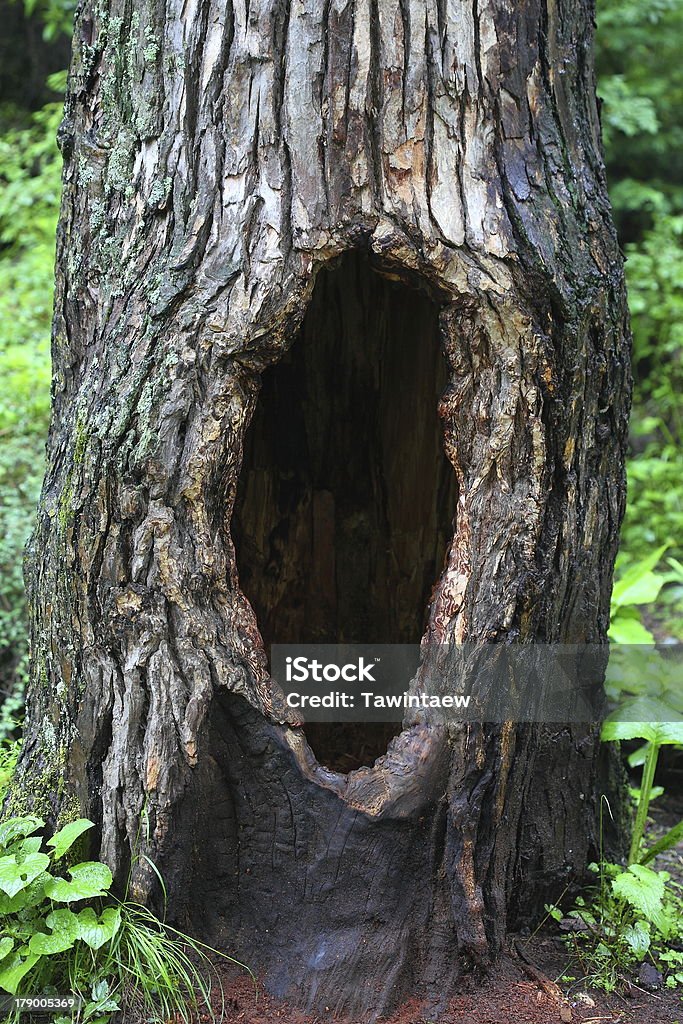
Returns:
(651, 995)
(544, 983)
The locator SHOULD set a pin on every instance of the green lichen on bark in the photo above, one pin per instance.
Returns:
(47, 796)
(64, 510)
(81, 441)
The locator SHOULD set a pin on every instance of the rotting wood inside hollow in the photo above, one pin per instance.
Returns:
(346, 497)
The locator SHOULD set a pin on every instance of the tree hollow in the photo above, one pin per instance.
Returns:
(346, 497)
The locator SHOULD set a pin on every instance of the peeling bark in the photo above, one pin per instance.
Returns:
(217, 159)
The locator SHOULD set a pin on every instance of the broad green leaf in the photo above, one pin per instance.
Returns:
(639, 584)
(629, 631)
(31, 896)
(642, 889)
(670, 732)
(32, 844)
(637, 937)
(88, 879)
(14, 827)
(65, 921)
(100, 989)
(64, 931)
(95, 932)
(6, 946)
(643, 589)
(658, 730)
(616, 730)
(11, 976)
(43, 944)
(14, 877)
(647, 672)
(67, 836)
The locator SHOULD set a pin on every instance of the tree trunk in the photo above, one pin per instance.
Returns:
(433, 170)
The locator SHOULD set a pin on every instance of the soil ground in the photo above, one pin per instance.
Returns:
(506, 996)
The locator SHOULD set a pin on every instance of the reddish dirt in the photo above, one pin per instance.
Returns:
(506, 996)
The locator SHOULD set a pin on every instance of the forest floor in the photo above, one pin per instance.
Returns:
(506, 996)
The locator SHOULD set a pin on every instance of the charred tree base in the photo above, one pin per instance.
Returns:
(334, 905)
(350, 892)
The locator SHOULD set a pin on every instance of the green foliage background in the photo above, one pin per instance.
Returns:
(641, 86)
(640, 76)
(29, 201)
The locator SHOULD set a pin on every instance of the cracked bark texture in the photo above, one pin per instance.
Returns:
(217, 157)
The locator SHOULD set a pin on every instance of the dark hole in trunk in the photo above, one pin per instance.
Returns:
(346, 498)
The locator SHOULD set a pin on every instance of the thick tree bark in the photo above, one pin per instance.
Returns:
(218, 158)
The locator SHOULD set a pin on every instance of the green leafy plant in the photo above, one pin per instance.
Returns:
(9, 754)
(632, 915)
(640, 81)
(57, 16)
(639, 585)
(643, 685)
(32, 926)
(656, 735)
(63, 932)
(643, 680)
(635, 913)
